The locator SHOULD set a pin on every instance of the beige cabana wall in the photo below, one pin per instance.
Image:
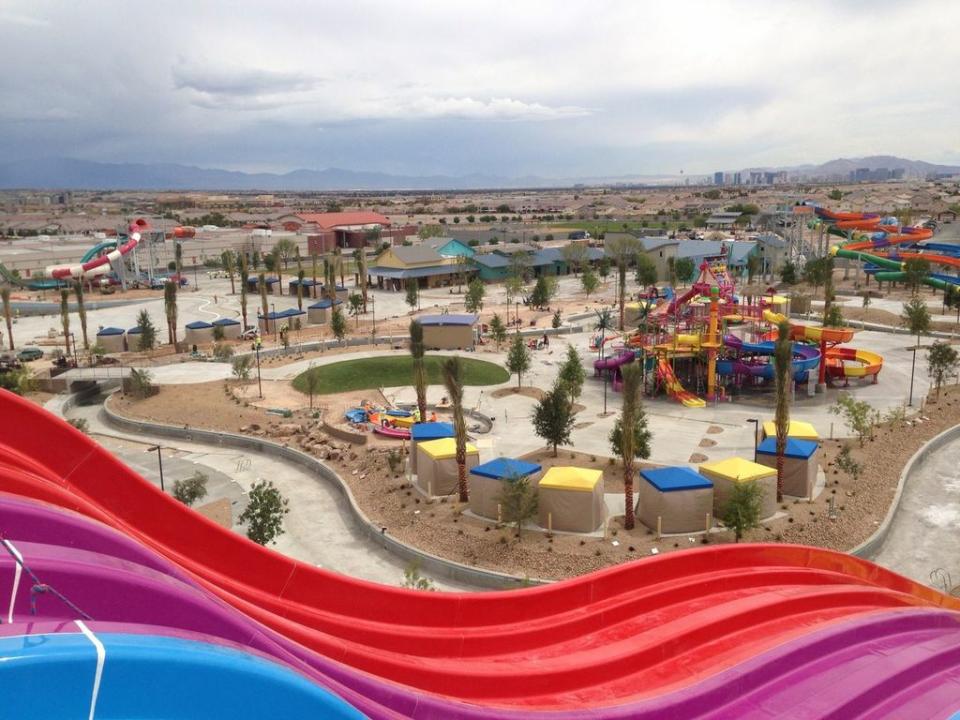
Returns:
(799, 474)
(438, 476)
(722, 486)
(485, 493)
(198, 337)
(317, 316)
(113, 343)
(230, 332)
(571, 510)
(680, 511)
(447, 337)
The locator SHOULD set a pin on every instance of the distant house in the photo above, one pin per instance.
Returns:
(659, 250)
(395, 267)
(449, 247)
(723, 220)
(774, 251)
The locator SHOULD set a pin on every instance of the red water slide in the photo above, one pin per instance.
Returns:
(626, 632)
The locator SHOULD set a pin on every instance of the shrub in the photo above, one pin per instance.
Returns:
(191, 489)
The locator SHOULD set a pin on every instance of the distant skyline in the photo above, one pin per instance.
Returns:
(505, 89)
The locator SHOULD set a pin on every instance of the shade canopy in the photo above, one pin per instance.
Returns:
(798, 429)
(324, 304)
(505, 469)
(736, 469)
(443, 449)
(432, 431)
(571, 478)
(199, 325)
(223, 322)
(673, 479)
(110, 331)
(795, 448)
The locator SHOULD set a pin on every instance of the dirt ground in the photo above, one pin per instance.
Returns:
(441, 526)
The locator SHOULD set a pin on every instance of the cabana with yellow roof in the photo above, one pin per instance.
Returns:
(798, 429)
(726, 473)
(437, 465)
(571, 499)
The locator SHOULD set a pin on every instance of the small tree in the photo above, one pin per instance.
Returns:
(916, 316)
(312, 382)
(218, 333)
(189, 490)
(589, 282)
(741, 511)
(572, 375)
(754, 262)
(222, 351)
(355, 305)
(518, 359)
(518, 501)
(241, 367)
(413, 295)
(473, 300)
(788, 273)
(557, 320)
(833, 316)
(264, 513)
(641, 437)
(141, 383)
(498, 331)
(685, 268)
(540, 297)
(915, 270)
(228, 260)
(338, 324)
(942, 362)
(847, 464)
(859, 415)
(646, 274)
(553, 417)
(148, 333)
(7, 314)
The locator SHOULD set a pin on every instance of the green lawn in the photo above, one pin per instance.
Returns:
(596, 227)
(394, 371)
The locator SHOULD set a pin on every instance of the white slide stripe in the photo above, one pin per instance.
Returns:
(17, 572)
(101, 657)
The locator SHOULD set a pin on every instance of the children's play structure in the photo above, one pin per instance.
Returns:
(108, 581)
(716, 340)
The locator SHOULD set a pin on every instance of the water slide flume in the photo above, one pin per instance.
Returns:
(93, 267)
(675, 388)
(895, 270)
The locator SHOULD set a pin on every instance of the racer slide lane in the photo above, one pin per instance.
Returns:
(627, 634)
(675, 388)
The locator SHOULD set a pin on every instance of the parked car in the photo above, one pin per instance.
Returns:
(250, 333)
(30, 353)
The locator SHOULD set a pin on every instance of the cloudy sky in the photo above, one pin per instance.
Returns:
(556, 89)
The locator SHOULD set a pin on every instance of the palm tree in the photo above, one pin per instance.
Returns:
(362, 274)
(228, 265)
(624, 251)
(313, 257)
(82, 312)
(782, 361)
(338, 258)
(5, 295)
(276, 266)
(178, 258)
(262, 285)
(243, 288)
(170, 308)
(632, 383)
(300, 289)
(604, 323)
(419, 369)
(453, 380)
(65, 317)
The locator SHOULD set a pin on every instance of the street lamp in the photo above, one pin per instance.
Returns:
(756, 433)
(160, 461)
(73, 341)
(913, 367)
(257, 342)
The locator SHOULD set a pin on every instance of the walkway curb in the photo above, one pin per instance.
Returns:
(448, 569)
(869, 547)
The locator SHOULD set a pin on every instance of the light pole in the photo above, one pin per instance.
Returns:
(913, 367)
(257, 342)
(73, 341)
(756, 433)
(160, 461)
(373, 309)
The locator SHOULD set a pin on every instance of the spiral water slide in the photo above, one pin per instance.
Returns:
(91, 266)
(112, 580)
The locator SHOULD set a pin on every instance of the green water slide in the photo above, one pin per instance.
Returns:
(12, 279)
(894, 271)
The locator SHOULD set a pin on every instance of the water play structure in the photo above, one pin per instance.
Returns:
(101, 259)
(108, 581)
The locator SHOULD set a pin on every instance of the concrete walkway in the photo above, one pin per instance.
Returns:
(923, 534)
(317, 527)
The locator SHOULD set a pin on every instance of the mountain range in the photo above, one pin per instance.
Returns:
(69, 173)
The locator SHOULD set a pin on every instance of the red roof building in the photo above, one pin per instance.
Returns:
(325, 222)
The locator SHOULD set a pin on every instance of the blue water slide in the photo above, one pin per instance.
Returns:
(74, 675)
(105, 246)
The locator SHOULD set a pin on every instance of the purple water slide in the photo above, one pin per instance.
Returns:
(615, 361)
(902, 659)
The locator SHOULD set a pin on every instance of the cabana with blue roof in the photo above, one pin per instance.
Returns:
(292, 318)
(800, 464)
(198, 332)
(319, 313)
(311, 288)
(231, 328)
(133, 338)
(681, 498)
(421, 432)
(486, 483)
(111, 339)
(450, 331)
